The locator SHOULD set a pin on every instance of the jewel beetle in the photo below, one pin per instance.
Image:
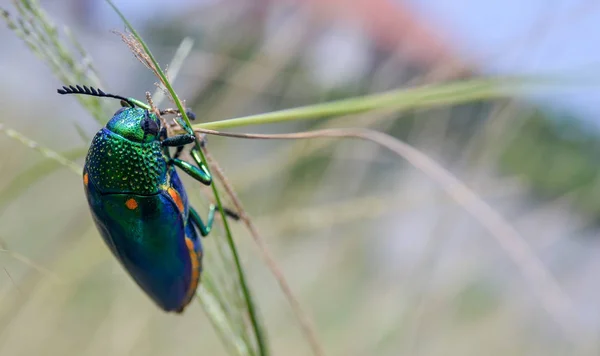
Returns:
(139, 203)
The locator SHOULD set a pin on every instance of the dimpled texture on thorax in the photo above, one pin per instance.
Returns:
(118, 165)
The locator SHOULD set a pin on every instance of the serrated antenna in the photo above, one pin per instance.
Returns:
(84, 90)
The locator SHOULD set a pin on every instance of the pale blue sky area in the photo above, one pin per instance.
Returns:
(531, 36)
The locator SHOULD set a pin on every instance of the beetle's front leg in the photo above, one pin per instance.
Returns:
(183, 139)
(178, 140)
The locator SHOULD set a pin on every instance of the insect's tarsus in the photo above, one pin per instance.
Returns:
(232, 214)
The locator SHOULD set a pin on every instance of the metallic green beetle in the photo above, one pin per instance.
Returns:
(139, 204)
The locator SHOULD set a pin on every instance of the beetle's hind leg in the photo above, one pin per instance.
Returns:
(203, 228)
(206, 228)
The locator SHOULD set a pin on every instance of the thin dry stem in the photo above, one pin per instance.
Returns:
(157, 113)
(306, 323)
(12, 281)
(553, 298)
(26, 260)
(138, 51)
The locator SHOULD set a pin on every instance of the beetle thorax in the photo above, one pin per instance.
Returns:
(118, 165)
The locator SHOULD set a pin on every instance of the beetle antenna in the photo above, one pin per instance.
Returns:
(93, 92)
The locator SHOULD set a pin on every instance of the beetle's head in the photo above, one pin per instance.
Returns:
(135, 124)
(133, 121)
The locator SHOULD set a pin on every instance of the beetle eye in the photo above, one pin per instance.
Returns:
(150, 127)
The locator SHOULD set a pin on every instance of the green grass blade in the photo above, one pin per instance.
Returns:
(397, 100)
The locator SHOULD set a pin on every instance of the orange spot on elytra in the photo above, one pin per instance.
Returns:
(85, 179)
(195, 262)
(131, 204)
(176, 198)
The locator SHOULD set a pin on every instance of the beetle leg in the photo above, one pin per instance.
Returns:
(188, 129)
(232, 214)
(183, 125)
(198, 159)
(197, 220)
(205, 229)
(200, 173)
(179, 140)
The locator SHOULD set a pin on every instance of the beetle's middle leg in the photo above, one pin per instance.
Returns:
(197, 220)
(206, 228)
(198, 159)
(199, 173)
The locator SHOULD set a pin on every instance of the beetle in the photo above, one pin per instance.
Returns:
(139, 203)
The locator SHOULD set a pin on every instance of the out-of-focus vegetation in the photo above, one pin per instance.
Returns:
(382, 260)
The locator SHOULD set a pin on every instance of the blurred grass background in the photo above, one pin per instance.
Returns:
(383, 261)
